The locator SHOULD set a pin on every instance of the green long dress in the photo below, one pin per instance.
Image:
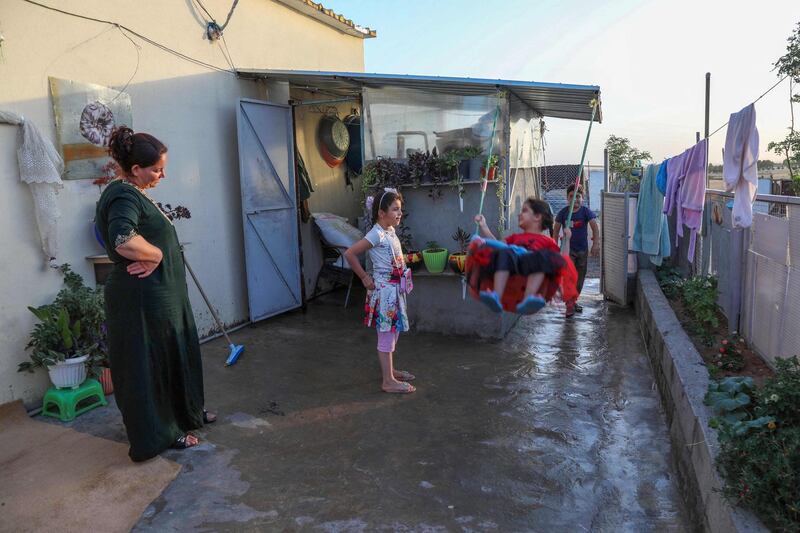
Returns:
(152, 339)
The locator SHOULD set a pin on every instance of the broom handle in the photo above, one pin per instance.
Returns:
(203, 294)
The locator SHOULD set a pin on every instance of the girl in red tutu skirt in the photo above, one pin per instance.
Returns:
(524, 272)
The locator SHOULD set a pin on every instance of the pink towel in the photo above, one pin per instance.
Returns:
(686, 191)
(693, 192)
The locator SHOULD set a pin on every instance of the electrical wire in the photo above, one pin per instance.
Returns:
(226, 53)
(146, 39)
(138, 58)
(753, 102)
(204, 9)
(230, 57)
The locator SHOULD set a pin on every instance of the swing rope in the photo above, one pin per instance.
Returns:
(594, 105)
(488, 161)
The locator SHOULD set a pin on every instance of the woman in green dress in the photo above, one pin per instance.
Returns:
(152, 339)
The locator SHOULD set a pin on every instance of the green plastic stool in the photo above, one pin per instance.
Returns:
(61, 403)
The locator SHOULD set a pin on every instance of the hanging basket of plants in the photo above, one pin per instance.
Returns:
(334, 140)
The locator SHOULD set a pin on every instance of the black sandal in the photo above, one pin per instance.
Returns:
(209, 418)
(182, 442)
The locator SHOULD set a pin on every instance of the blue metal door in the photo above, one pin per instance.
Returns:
(269, 208)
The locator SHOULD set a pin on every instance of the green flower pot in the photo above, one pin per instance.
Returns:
(435, 259)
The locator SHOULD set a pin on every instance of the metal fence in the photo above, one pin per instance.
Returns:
(619, 265)
(757, 270)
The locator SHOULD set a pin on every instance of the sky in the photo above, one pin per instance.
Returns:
(649, 58)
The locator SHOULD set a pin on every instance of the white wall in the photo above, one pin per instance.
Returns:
(190, 108)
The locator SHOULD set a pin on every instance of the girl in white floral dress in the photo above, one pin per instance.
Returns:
(385, 307)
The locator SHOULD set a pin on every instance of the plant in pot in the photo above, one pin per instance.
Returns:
(493, 165)
(56, 345)
(84, 313)
(422, 167)
(471, 162)
(458, 260)
(435, 257)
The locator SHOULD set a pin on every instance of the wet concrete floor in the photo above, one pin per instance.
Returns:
(556, 428)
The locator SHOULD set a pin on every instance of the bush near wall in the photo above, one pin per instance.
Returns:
(761, 462)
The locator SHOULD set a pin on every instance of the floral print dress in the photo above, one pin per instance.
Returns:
(385, 307)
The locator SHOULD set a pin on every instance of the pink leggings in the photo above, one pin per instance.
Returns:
(387, 340)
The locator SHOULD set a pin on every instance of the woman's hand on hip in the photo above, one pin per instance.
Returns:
(142, 269)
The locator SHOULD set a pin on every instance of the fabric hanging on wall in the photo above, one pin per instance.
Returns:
(304, 188)
(651, 233)
(740, 164)
(40, 166)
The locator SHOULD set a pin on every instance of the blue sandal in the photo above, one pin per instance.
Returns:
(530, 305)
(491, 300)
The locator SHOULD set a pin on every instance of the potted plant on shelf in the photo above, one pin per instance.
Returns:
(458, 260)
(471, 161)
(435, 257)
(493, 164)
(70, 338)
(422, 167)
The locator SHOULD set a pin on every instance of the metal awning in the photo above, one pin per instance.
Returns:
(557, 100)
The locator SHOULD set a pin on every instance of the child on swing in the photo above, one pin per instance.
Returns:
(532, 254)
(385, 308)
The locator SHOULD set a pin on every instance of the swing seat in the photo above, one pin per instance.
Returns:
(481, 257)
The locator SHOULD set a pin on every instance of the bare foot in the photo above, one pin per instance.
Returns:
(398, 387)
(402, 375)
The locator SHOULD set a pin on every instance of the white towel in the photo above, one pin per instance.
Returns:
(740, 164)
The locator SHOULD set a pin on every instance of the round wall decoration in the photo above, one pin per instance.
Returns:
(97, 123)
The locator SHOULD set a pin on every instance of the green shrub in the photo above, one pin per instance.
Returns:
(730, 399)
(670, 280)
(762, 472)
(699, 295)
(761, 461)
(780, 395)
(729, 356)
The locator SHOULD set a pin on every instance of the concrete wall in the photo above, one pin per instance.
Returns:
(436, 220)
(682, 380)
(191, 108)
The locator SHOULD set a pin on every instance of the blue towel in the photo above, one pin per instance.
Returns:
(651, 233)
(661, 177)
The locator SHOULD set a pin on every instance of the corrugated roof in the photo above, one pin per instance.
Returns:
(557, 100)
(329, 17)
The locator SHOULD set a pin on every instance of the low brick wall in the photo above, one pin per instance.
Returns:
(682, 380)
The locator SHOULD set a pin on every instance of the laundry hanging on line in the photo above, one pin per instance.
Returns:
(740, 164)
(651, 232)
(686, 191)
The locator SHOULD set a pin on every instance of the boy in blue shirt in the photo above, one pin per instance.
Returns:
(579, 243)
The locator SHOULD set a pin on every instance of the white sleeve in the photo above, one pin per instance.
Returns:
(374, 236)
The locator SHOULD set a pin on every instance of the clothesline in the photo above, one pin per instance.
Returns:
(754, 101)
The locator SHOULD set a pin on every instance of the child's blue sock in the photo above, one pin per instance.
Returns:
(491, 300)
(530, 305)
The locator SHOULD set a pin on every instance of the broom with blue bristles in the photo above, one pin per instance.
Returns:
(236, 349)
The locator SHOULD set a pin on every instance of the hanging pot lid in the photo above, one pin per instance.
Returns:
(334, 136)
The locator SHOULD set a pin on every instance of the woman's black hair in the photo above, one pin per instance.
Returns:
(129, 148)
(384, 200)
(540, 207)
